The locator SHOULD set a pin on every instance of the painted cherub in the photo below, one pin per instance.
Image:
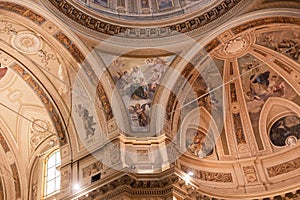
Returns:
(140, 111)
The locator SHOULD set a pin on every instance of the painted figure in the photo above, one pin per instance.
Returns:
(3, 72)
(141, 113)
(88, 121)
(285, 128)
(137, 81)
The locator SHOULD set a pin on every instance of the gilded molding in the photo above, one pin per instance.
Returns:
(209, 176)
(113, 29)
(72, 48)
(283, 66)
(14, 169)
(78, 55)
(238, 127)
(26, 12)
(104, 102)
(3, 142)
(44, 99)
(284, 167)
(134, 187)
(264, 21)
(16, 178)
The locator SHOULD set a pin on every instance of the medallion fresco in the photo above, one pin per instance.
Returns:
(137, 80)
(259, 83)
(285, 131)
(286, 42)
(198, 143)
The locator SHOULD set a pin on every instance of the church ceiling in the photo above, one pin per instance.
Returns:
(232, 105)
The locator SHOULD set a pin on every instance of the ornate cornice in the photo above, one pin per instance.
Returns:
(103, 26)
(134, 187)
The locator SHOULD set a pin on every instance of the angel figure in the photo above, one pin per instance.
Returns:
(88, 121)
(140, 111)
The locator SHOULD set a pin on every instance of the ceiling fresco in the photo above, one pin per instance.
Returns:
(137, 80)
(285, 131)
(230, 126)
(282, 41)
(260, 83)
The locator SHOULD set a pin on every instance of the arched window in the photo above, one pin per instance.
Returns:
(52, 175)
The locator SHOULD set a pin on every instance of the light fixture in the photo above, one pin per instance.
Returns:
(190, 173)
(52, 143)
(76, 187)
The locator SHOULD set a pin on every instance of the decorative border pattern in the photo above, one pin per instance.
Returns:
(209, 176)
(16, 178)
(14, 169)
(78, 55)
(284, 167)
(134, 187)
(3, 142)
(112, 29)
(264, 21)
(45, 100)
(22, 11)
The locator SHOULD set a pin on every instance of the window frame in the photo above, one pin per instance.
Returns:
(57, 175)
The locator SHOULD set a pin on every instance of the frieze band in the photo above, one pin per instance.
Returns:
(284, 167)
(29, 14)
(111, 29)
(209, 176)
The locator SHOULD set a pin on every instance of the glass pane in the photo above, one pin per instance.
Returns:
(52, 176)
(51, 161)
(50, 187)
(57, 184)
(57, 173)
(57, 158)
(51, 173)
